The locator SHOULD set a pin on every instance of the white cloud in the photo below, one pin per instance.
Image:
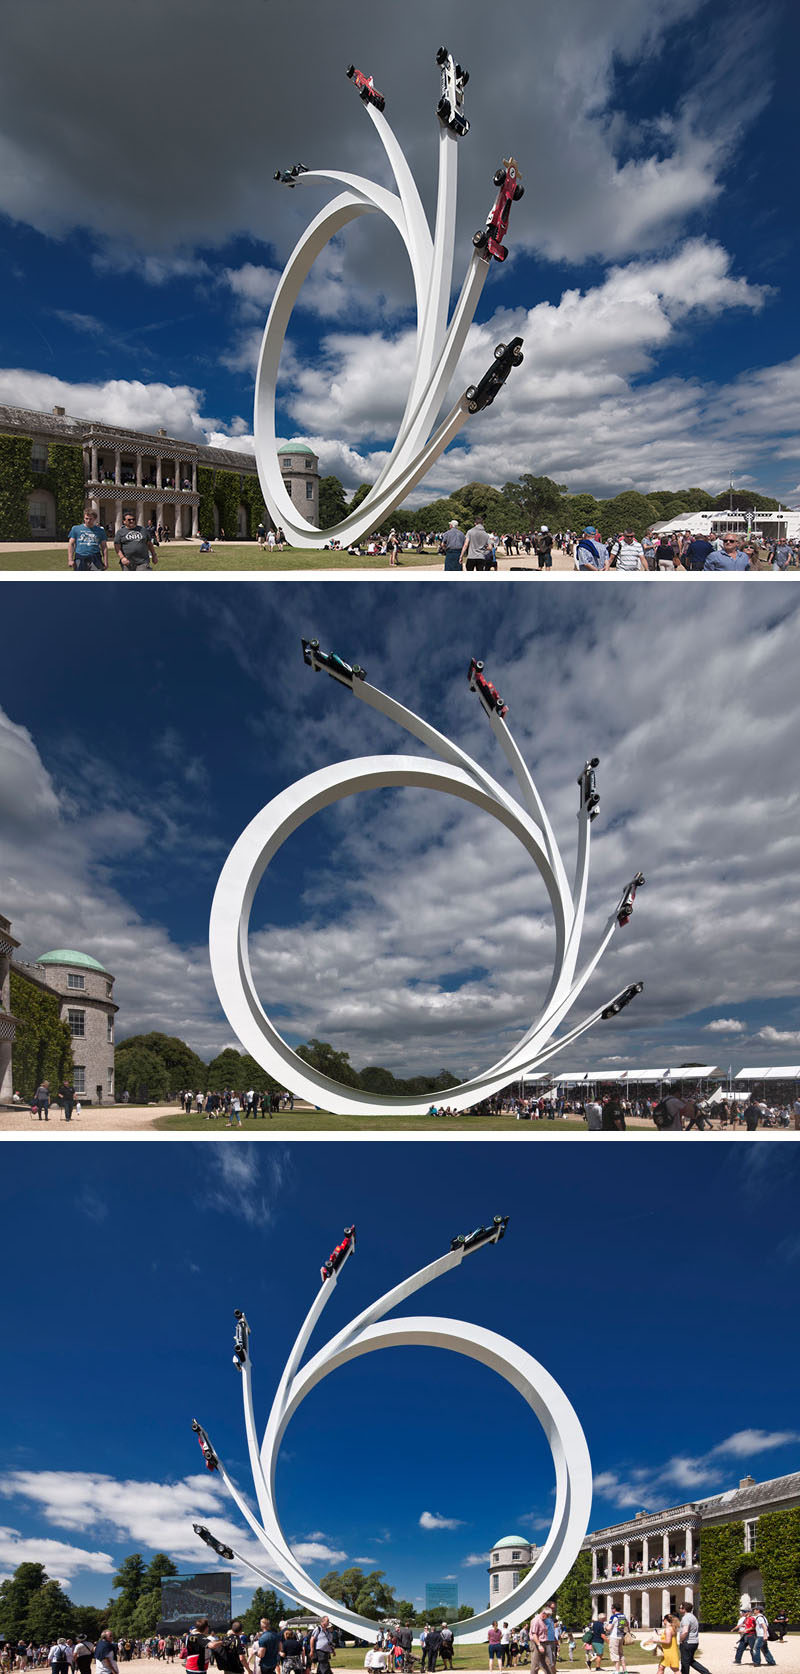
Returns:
(689, 1475)
(242, 1181)
(779, 1037)
(725, 1026)
(746, 1442)
(432, 1520)
(57, 1556)
(316, 1551)
(475, 1560)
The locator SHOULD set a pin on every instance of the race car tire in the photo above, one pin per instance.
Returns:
(464, 75)
(480, 239)
(442, 56)
(443, 109)
(499, 351)
(479, 668)
(470, 392)
(313, 644)
(351, 70)
(365, 95)
(519, 192)
(517, 356)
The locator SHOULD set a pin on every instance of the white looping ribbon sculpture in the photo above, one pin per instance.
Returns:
(438, 345)
(364, 1335)
(456, 774)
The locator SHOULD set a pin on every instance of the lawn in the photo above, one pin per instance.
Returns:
(234, 555)
(322, 1121)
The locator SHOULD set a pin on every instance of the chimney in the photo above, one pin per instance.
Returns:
(747, 1482)
(161, 432)
(59, 412)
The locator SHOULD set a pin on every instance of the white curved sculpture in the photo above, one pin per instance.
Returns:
(438, 345)
(363, 1335)
(458, 775)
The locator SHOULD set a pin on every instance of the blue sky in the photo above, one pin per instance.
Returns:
(149, 739)
(103, 1461)
(654, 259)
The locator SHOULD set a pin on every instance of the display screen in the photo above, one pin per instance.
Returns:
(185, 1597)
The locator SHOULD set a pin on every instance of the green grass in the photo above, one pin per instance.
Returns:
(323, 1121)
(234, 555)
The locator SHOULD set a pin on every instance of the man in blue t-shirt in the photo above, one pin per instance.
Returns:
(730, 558)
(87, 548)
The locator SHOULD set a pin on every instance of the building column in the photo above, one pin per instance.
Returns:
(627, 1556)
(178, 523)
(626, 1605)
(93, 466)
(645, 1607)
(609, 1563)
(665, 1601)
(594, 1564)
(158, 471)
(688, 1593)
(645, 1554)
(140, 511)
(138, 470)
(689, 1547)
(159, 512)
(665, 1549)
(195, 536)
(194, 476)
(117, 466)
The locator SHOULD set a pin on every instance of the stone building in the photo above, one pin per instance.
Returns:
(8, 1023)
(86, 1005)
(507, 1559)
(153, 476)
(650, 1564)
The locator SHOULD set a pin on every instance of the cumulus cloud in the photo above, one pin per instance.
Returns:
(640, 1486)
(60, 1559)
(433, 1520)
(475, 1560)
(725, 1026)
(779, 1037)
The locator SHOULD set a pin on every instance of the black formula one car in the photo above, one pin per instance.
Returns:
(211, 1540)
(241, 1339)
(587, 780)
(623, 999)
(625, 910)
(331, 662)
(482, 395)
(489, 240)
(482, 1235)
(450, 109)
(366, 88)
(338, 1255)
(288, 177)
(489, 693)
(212, 1462)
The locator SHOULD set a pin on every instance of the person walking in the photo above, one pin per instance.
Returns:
(321, 1648)
(689, 1640)
(761, 1646)
(450, 546)
(477, 547)
(41, 1100)
(746, 1629)
(66, 1093)
(670, 1653)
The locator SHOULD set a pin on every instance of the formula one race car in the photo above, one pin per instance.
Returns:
(331, 662)
(288, 177)
(489, 241)
(450, 109)
(588, 783)
(482, 395)
(241, 1339)
(482, 1235)
(211, 1540)
(623, 999)
(212, 1462)
(488, 693)
(338, 1255)
(366, 88)
(625, 909)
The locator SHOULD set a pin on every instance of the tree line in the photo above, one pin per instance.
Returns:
(529, 502)
(154, 1066)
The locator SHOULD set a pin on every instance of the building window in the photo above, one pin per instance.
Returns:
(110, 1080)
(76, 979)
(77, 1023)
(110, 1028)
(309, 490)
(750, 1535)
(495, 1557)
(286, 464)
(515, 1557)
(288, 487)
(309, 464)
(515, 1577)
(37, 514)
(495, 1583)
(38, 456)
(109, 987)
(79, 1078)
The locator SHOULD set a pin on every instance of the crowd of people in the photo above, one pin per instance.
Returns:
(607, 1110)
(233, 1106)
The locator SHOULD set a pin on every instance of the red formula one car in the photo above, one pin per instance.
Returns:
(212, 1462)
(338, 1255)
(490, 238)
(625, 910)
(487, 692)
(366, 88)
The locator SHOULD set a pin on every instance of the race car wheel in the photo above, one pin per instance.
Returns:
(519, 192)
(479, 239)
(442, 55)
(313, 644)
(479, 668)
(471, 392)
(359, 673)
(517, 356)
(351, 70)
(464, 75)
(499, 351)
(443, 109)
(500, 177)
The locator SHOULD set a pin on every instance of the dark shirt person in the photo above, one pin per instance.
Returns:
(267, 1647)
(66, 1093)
(133, 545)
(104, 1654)
(696, 553)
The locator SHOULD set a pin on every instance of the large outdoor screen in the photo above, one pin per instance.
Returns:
(185, 1597)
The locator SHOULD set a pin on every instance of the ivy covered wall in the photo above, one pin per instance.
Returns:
(42, 1050)
(723, 1563)
(63, 478)
(226, 490)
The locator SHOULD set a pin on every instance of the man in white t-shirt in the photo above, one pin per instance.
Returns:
(594, 1116)
(676, 1110)
(627, 554)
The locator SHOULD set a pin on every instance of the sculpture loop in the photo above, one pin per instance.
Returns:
(438, 346)
(456, 774)
(364, 1335)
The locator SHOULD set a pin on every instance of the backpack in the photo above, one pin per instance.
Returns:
(661, 1115)
(60, 1660)
(227, 1655)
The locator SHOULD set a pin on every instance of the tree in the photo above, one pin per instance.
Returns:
(332, 502)
(50, 1613)
(360, 494)
(366, 1594)
(464, 1612)
(580, 510)
(627, 511)
(436, 516)
(744, 500)
(146, 1615)
(375, 1079)
(139, 1073)
(573, 1597)
(324, 1058)
(534, 499)
(158, 1567)
(15, 1598)
(224, 1071)
(129, 1580)
(183, 1067)
(266, 1603)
